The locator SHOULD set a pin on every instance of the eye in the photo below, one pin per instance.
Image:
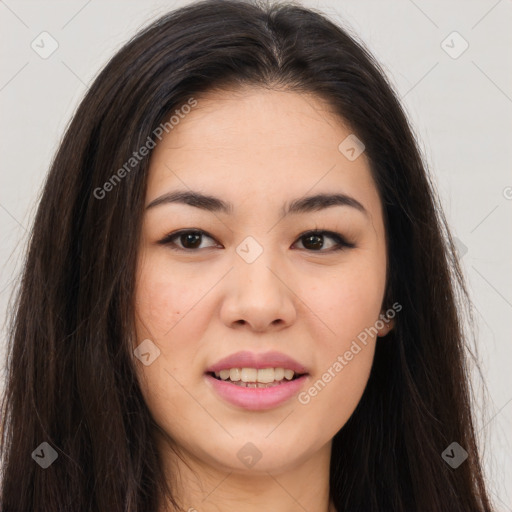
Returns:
(191, 239)
(315, 238)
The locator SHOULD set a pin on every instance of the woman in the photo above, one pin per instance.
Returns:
(310, 356)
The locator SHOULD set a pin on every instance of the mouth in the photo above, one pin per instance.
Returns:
(256, 378)
(256, 382)
(250, 394)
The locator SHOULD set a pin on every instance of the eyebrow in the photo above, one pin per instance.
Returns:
(297, 206)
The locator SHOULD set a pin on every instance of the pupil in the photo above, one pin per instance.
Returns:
(189, 237)
(319, 244)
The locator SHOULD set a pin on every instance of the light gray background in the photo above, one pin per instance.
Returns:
(460, 109)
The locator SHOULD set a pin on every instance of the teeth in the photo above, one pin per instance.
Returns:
(256, 384)
(253, 376)
(288, 374)
(249, 375)
(224, 374)
(235, 374)
(266, 375)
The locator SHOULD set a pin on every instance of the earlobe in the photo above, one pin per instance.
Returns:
(385, 326)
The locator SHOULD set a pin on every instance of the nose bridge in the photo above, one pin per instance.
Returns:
(259, 295)
(257, 264)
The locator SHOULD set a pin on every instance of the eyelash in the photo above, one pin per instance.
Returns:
(342, 243)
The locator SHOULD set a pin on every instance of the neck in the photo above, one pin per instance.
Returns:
(207, 487)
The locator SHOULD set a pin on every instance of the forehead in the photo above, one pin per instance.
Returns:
(254, 120)
(255, 142)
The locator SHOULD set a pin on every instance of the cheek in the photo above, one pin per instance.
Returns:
(344, 360)
(167, 298)
(173, 310)
(168, 313)
(349, 306)
(348, 302)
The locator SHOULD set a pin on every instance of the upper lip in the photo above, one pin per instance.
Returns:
(246, 359)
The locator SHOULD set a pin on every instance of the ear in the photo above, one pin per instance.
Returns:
(384, 325)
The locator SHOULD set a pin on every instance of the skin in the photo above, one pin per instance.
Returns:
(258, 149)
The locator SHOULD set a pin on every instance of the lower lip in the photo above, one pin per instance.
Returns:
(256, 399)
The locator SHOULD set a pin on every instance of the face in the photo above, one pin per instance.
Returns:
(214, 281)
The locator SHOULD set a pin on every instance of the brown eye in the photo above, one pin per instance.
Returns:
(188, 240)
(314, 241)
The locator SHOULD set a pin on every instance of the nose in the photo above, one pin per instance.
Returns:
(259, 297)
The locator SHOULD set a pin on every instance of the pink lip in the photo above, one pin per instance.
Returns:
(256, 399)
(247, 359)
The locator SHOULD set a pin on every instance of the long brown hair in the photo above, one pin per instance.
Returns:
(71, 373)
